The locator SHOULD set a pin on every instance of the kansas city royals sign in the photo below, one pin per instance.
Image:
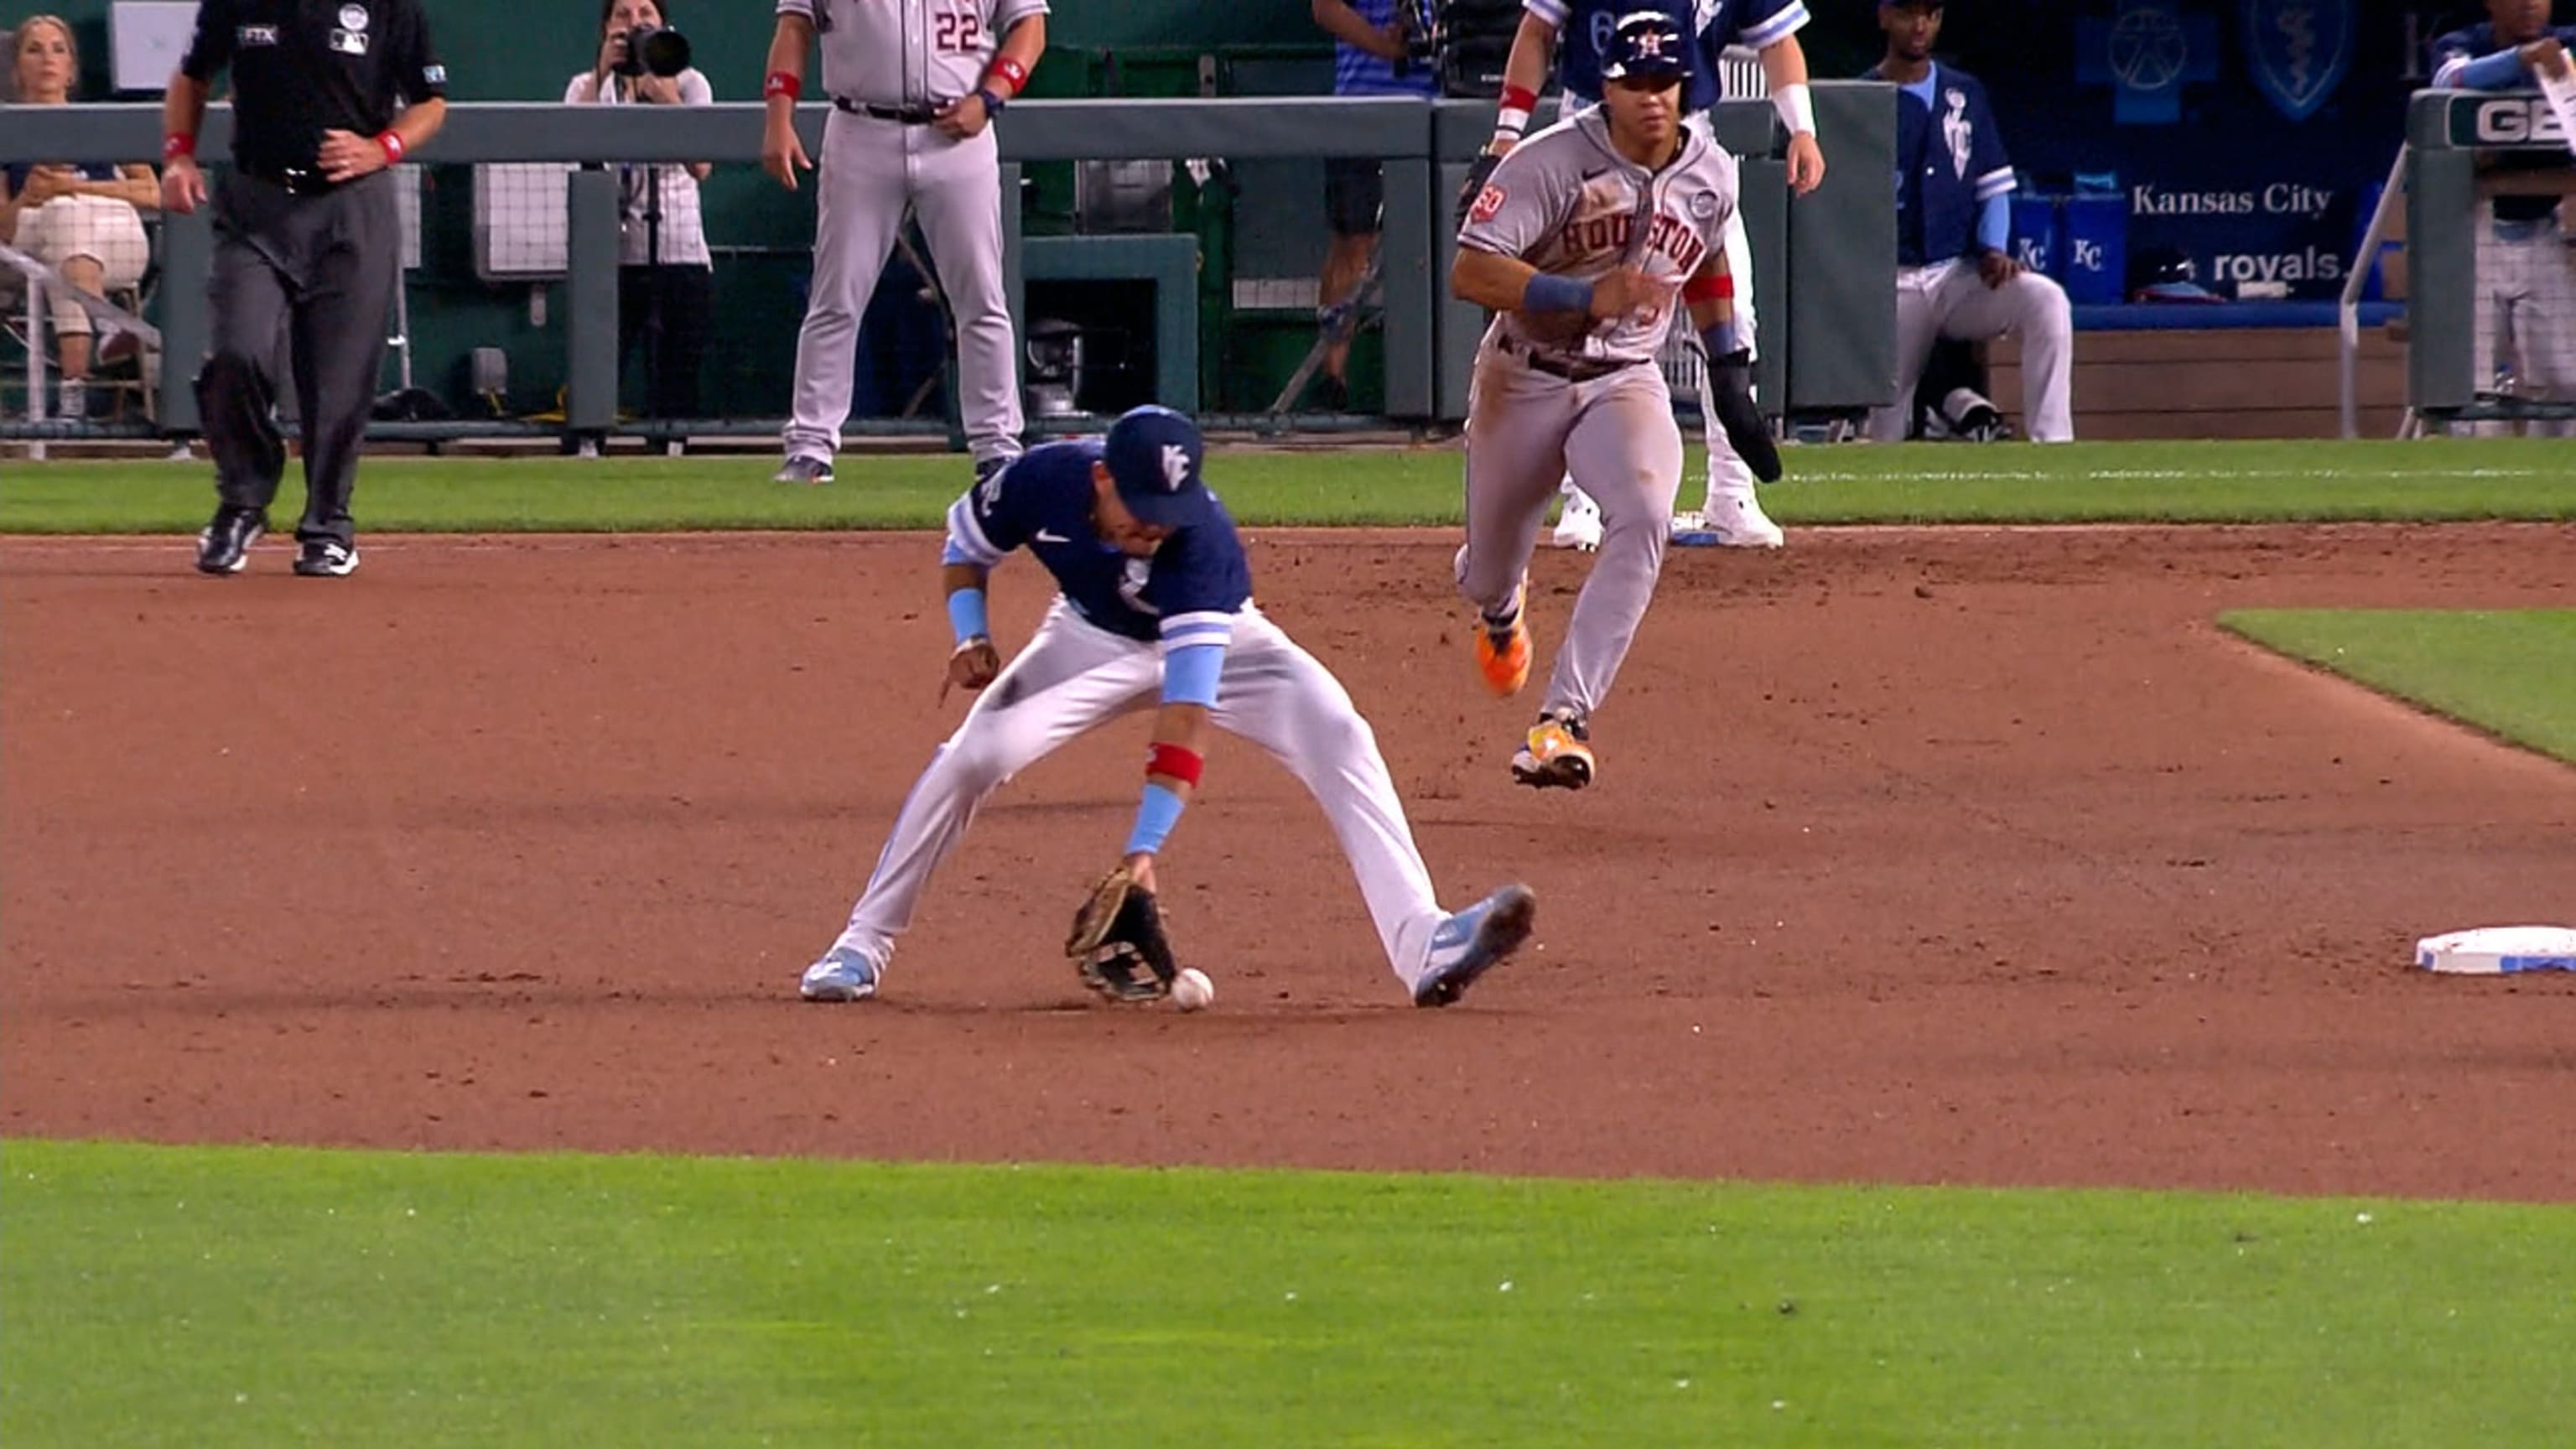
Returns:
(2298, 51)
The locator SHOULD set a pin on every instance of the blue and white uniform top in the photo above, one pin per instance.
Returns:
(1184, 599)
(1584, 28)
(2474, 59)
(1953, 178)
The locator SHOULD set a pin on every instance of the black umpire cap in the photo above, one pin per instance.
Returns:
(1647, 43)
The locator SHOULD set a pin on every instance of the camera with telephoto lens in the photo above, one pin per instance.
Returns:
(654, 50)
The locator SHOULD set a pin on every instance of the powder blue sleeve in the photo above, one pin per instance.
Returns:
(1994, 223)
(1190, 674)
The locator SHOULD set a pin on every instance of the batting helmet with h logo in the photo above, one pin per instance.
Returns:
(1647, 43)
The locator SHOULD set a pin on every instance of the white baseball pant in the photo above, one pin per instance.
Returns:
(2527, 313)
(1950, 299)
(1075, 676)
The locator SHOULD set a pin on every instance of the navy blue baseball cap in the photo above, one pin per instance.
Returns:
(1646, 43)
(1153, 455)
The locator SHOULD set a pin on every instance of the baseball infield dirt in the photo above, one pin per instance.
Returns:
(1965, 856)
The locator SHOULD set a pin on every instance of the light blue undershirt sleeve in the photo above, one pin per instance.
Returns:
(1190, 674)
(1994, 222)
(2502, 71)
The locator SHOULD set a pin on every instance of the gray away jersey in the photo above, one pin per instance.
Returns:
(908, 52)
(1565, 202)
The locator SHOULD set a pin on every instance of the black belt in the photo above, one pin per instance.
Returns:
(293, 180)
(908, 115)
(1572, 369)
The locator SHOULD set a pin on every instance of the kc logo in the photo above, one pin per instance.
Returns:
(2085, 254)
(1176, 467)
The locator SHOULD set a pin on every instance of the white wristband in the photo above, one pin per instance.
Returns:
(1511, 121)
(1797, 109)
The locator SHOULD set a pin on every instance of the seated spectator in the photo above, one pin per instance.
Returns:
(2526, 327)
(1953, 202)
(664, 297)
(82, 221)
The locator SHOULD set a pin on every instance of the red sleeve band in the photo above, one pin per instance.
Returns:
(1520, 98)
(780, 83)
(1709, 287)
(1010, 72)
(1175, 762)
(176, 145)
(391, 143)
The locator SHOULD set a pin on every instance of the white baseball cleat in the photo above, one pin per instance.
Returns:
(1579, 525)
(842, 975)
(1728, 523)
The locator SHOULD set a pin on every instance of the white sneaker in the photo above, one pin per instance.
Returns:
(1728, 523)
(1579, 526)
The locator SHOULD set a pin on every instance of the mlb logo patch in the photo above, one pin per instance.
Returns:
(349, 42)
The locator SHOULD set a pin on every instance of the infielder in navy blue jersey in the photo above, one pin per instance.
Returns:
(2526, 262)
(1730, 513)
(1955, 275)
(1155, 610)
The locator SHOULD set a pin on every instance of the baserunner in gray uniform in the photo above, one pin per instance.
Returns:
(915, 85)
(1589, 236)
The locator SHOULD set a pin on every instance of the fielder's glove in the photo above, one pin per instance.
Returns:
(1730, 387)
(1480, 171)
(1117, 941)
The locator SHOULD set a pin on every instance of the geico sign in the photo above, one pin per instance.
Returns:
(2513, 122)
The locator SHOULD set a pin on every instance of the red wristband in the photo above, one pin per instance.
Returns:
(1520, 98)
(178, 144)
(1175, 762)
(780, 83)
(1010, 71)
(1710, 287)
(391, 143)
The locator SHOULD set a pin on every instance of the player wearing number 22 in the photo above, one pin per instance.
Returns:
(1590, 236)
(1155, 608)
(915, 86)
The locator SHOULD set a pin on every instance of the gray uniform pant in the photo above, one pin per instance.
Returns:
(2526, 316)
(1615, 436)
(319, 269)
(1949, 299)
(871, 169)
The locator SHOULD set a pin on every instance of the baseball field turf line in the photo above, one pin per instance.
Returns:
(270, 1296)
(2509, 672)
(2011, 483)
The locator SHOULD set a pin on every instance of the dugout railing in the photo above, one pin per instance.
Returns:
(1829, 341)
(2449, 315)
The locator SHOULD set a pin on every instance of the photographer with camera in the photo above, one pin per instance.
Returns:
(665, 276)
(1374, 54)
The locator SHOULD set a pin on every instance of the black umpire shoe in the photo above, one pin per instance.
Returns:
(326, 558)
(224, 546)
(804, 470)
(987, 467)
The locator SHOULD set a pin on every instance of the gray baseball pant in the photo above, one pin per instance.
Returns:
(1615, 435)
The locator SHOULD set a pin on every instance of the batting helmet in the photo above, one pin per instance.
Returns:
(1647, 43)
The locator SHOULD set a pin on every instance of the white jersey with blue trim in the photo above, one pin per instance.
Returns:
(1188, 593)
(1584, 28)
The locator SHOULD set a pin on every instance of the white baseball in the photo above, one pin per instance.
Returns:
(1192, 990)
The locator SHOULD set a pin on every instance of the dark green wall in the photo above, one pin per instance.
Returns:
(497, 50)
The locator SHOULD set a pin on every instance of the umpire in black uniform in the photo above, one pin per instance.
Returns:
(306, 238)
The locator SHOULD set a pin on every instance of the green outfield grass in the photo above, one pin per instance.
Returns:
(2098, 482)
(268, 1297)
(2510, 672)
